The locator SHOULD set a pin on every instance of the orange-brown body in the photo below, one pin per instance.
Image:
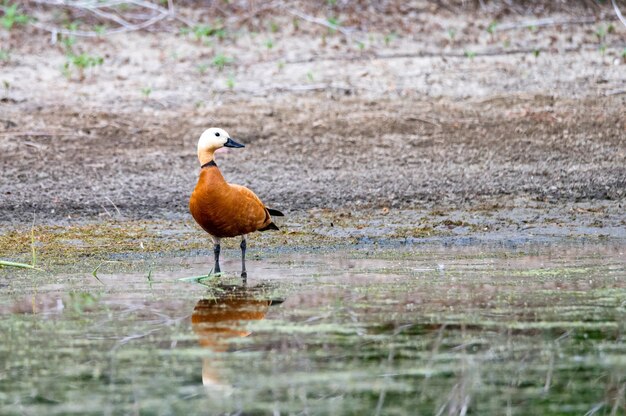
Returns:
(225, 210)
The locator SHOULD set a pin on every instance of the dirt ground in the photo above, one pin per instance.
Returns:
(419, 120)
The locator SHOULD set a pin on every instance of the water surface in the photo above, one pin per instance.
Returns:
(475, 330)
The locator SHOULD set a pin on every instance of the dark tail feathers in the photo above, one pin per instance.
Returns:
(275, 212)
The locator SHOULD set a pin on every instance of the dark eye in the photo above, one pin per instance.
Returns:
(217, 134)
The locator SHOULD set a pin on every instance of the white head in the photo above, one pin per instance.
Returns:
(211, 140)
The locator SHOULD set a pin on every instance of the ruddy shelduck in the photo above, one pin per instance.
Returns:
(223, 209)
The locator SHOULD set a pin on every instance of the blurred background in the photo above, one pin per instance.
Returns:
(342, 104)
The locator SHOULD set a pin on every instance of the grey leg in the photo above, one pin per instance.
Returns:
(244, 274)
(216, 253)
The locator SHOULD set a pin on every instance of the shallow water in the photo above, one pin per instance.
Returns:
(534, 330)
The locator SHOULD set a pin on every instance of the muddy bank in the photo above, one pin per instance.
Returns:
(315, 152)
(459, 109)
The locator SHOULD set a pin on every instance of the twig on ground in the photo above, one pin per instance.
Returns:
(34, 133)
(616, 92)
(618, 13)
(544, 22)
(95, 7)
(114, 206)
(345, 31)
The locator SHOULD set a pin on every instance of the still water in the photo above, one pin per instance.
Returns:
(474, 330)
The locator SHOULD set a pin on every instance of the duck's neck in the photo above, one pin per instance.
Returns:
(205, 156)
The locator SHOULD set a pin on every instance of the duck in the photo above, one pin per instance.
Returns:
(222, 209)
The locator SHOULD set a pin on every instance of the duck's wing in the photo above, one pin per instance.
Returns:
(250, 209)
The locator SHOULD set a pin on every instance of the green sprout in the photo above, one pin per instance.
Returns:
(220, 61)
(309, 76)
(85, 61)
(207, 31)
(202, 68)
(81, 62)
(470, 54)
(269, 44)
(491, 29)
(230, 82)
(452, 34)
(5, 55)
(389, 37)
(361, 45)
(536, 53)
(274, 28)
(13, 17)
(601, 33)
(146, 91)
(68, 42)
(281, 64)
(333, 21)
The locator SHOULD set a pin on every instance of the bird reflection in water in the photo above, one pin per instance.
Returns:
(223, 318)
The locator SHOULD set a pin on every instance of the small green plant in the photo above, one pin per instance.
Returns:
(5, 55)
(12, 17)
(624, 54)
(84, 61)
(602, 32)
(333, 21)
(470, 54)
(146, 91)
(361, 45)
(269, 44)
(80, 62)
(207, 31)
(390, 37)
(281, 64)
(68, 42)
(100, 29)
(506, 43)
(230, 82)
(220, 61)
(309, 76)
(452, 34)
(202, 68)
(274, 28)
(536, 53)
(491, 28)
